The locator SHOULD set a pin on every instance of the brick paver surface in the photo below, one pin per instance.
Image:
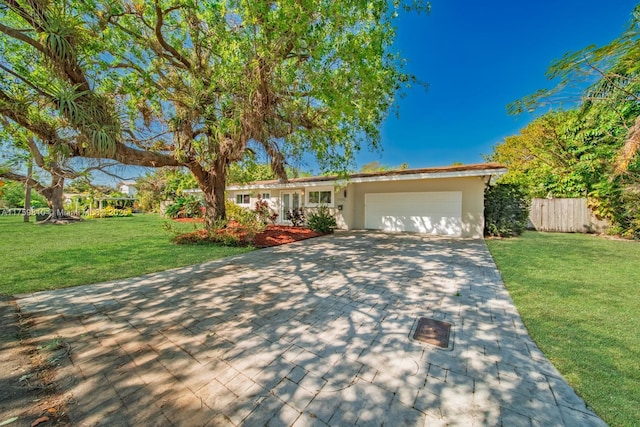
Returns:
(313, 333)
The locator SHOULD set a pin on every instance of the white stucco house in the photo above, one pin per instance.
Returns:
(127, 187)
(445, 201)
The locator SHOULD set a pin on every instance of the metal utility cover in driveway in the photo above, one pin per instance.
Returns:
(432, 331)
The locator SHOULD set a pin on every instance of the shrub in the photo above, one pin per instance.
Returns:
(296, 216)
(218, 236)
(191, 207)
(248, 221)
(184, 207)
(620, 205)
(627, 217)
(172, 210)
(506, 210)
(264, 212)
(321, 221)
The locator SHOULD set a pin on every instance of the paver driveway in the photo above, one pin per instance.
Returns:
(313, 333)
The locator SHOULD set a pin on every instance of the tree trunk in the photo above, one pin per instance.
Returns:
(27, 192)
(56, 199)
(212, 182)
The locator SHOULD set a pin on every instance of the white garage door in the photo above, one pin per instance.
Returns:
(432, 213)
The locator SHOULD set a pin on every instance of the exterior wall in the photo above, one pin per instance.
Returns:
(472, 199)
(253, 197)
(348, 201)
(341, 207)
(276, 205)
(126, 189)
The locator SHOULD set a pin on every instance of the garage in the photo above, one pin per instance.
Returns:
(438, 213)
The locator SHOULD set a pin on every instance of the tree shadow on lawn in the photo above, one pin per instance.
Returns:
(318, 329)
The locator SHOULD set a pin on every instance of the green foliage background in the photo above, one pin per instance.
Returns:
(506, 210)
(592, 149)
(13, 196)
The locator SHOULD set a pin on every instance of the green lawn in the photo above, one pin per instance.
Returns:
(579, 297)
(38, 257)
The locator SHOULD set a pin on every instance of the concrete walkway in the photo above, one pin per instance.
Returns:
(313, 333)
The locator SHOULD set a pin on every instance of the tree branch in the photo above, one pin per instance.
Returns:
(19, 35)
(22, 178)
(35, 152)
(163, 42)
(122, 154)
(608, 78)
(630, 148)
(24, 14)
(42, 130)
(27, 82)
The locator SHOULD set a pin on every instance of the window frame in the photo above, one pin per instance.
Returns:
(319, 190)
(244, 196)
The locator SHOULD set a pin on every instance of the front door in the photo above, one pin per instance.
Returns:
(290, 201)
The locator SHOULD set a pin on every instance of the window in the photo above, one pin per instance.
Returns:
(265, 196)
(243, 199)
(320, 197)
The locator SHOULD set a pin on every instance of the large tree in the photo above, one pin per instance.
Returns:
(201, 84)
(20, 148)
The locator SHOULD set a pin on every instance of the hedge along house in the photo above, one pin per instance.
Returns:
(446, 201)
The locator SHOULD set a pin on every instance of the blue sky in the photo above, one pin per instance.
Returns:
(477, 57)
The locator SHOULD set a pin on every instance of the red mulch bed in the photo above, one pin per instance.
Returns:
(273, 235)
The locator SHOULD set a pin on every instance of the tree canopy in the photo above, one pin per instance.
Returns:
(202, 84)
(607, 79)
(590, 150)
(572, 154)
(564, 153)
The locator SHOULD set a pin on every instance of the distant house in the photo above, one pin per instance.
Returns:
(445, 201)
(127, 187)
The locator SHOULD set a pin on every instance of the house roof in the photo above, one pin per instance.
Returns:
(456, 171)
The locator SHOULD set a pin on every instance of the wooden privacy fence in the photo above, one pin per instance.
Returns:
(564, 215)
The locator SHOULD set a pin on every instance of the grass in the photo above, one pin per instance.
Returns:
(40, 257)
(579, 297)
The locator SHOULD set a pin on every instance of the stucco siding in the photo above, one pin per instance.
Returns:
(472, 189)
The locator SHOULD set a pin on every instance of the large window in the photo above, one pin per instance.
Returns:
(320, 197)
(243, 199)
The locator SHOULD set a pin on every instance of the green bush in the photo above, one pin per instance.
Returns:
(626, 221)
(619, 203)
(248, 220)
(218, 236)
(506, 210)
(12, 196)
(184, 207)
(239, 229)
(321, 221)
